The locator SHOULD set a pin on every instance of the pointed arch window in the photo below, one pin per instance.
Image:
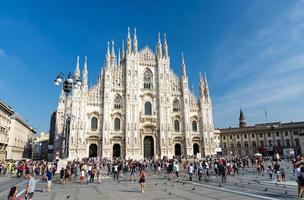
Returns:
(94, 123)
(118, 102)
(148, 79)
(117, 124)
(194, 126)
(148, 108)
(176, 106)
(176, 126)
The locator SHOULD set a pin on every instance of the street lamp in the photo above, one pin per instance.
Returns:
(67, 86)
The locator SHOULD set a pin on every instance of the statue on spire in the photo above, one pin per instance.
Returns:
(129, 42)
(85, 73)
(166, 53)
(77, 70)
(135, 46)
(108, 57)
(113, 56)
(183, 66)
(159, 47)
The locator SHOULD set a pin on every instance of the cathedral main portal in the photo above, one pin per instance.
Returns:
(148, 147)
(93, 150)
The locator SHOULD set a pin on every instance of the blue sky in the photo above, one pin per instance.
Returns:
(252, 51)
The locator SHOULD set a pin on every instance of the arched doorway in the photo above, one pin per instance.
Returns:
(148, 147)
(195, 149)
(93, 150)
(178, 149)
(116, 150)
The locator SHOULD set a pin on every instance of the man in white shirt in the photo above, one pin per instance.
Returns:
(176, 167)
(190, 171)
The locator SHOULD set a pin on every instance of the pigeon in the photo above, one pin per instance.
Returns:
(169, 193)
(155, 184)
(285, 191)
(249, 183)
(68, 197)
(220, 185)
(266, 189)
(193, 188)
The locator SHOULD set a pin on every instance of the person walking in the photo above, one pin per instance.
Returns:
(190, 171)
(115, 171)
(142, 180)
(12, 194)
(176, 166)
(30, 187)
(49, 176)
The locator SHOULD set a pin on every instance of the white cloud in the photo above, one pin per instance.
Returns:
(2, 53)
(265, 69)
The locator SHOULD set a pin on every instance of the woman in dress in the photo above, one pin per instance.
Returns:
(142, 180)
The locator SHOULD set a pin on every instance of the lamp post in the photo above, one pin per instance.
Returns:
(67, 85)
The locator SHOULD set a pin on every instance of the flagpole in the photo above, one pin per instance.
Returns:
(266, 115)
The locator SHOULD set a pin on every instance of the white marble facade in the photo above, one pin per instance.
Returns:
(138, 108)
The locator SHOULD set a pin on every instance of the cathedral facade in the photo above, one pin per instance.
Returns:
(138, 108)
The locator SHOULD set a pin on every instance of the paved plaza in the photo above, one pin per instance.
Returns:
(248, 185)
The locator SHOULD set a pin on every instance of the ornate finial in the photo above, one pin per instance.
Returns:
(129, 42)
(159, 37)
(118, 56)
(129, 35)
(108, 49)
(77, 70)
(166, 54)
(183, 65)
(123, 48)
(113, 50)
(159, 47)
(135, 47)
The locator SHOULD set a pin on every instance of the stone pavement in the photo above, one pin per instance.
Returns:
(156, 188)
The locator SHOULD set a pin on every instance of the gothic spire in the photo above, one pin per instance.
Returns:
(108, 57)
(166, 54)
(128, 42)
(183, 66)
(135, 46)
(242, 119)
(113, 56)
(77, 70)
(159, 47)
(118, 56)
(123, 49)
(85, 73)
